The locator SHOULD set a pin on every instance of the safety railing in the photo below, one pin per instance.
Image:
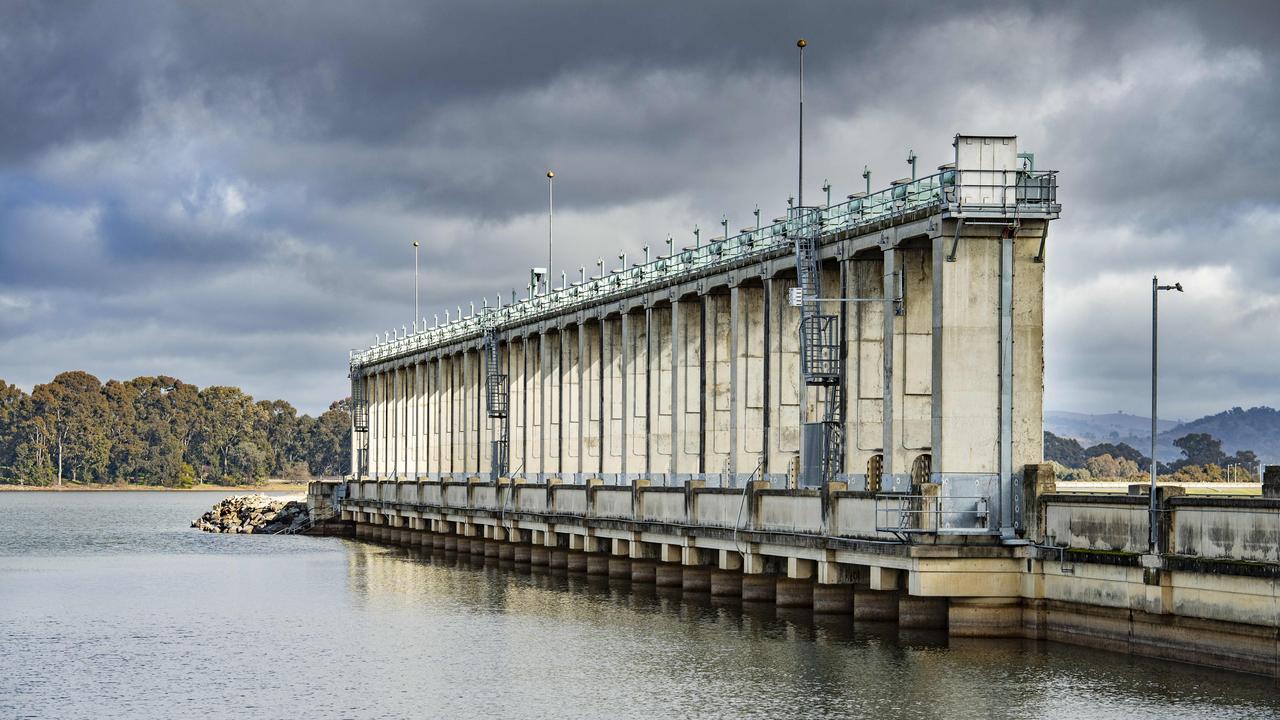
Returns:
(1004, 191)
(938, 514)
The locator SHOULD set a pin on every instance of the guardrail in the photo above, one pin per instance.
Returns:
(1007, 192)
(943, 515)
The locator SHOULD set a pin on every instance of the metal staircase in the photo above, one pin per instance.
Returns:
(821, 362)
(496, 401)
(360, 424)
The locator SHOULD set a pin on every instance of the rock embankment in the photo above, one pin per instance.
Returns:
(248, 514)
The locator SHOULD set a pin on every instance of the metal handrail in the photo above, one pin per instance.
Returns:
(940, 189)
(907, 514)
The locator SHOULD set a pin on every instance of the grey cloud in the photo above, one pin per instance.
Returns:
(227, 192)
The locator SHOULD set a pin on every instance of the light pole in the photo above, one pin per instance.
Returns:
(416, 311)
(801, 43)
(551, 218)
(1156, 287)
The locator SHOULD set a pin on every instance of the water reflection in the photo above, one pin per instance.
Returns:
(692, 654)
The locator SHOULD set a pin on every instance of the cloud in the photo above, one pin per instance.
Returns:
(228, 193)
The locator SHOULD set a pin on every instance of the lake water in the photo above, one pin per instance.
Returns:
(111, 607)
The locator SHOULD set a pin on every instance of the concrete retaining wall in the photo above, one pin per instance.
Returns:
(531, 498)
(455, 495)
(789, 511)
(1245, 529)
(569, 499)
(663, 505)
(721, 509)
(611, 502)
(1098, 522)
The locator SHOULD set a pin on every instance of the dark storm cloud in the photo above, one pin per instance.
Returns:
(227, 191)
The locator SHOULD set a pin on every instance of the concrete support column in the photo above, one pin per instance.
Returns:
(696, 578)
(571, 397)
(661, 385)
(643, 571)
(967, 396)
(833, 599)
(871, 604)
(762, 587)
(619, 568)
(635, 392)
(522, 553)
(783, 379)
(687, 391)
(908, 427)
(553, 403)
(726, 583)
(748, 377)
(717, 395)
(591, 337)
(612, 424)
(922, 612)
(794, 593)
(597, 564)
(559, 560)
(985, 617)
(668, 575)
(864, 368)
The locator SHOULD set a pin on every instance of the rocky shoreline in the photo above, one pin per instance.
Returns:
(249, 514)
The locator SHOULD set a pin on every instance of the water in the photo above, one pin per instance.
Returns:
(110, 607)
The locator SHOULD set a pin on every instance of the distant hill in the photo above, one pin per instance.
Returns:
(1093, 429)
(1256, 429)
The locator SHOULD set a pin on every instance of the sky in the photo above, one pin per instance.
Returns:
(228, 192)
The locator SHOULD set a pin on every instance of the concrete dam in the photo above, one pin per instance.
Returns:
(840, 409)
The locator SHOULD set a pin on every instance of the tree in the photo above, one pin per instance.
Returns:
(1066, 451)
(159, 430)
(126, 447)
(1118, 450)
(14, 406)
(329, 443)
(1199, 449)
(1064, 473)
(228, 419)
(74, 414)
(1106, 466)
(282, 428)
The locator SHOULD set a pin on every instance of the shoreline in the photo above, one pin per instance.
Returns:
(268, 487)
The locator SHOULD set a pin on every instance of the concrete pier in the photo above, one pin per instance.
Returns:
(833, 599)
(793, 593)
(643, 572)
(668, 575)
(922, 612)
(696, 579)
(620, 568)
(759, 588)
(597, 564)
(871, 604)
(726, 583)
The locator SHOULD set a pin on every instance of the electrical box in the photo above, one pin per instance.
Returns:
(987, 169)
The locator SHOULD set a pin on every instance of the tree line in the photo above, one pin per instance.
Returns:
(1203, 460)
(161, 431)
